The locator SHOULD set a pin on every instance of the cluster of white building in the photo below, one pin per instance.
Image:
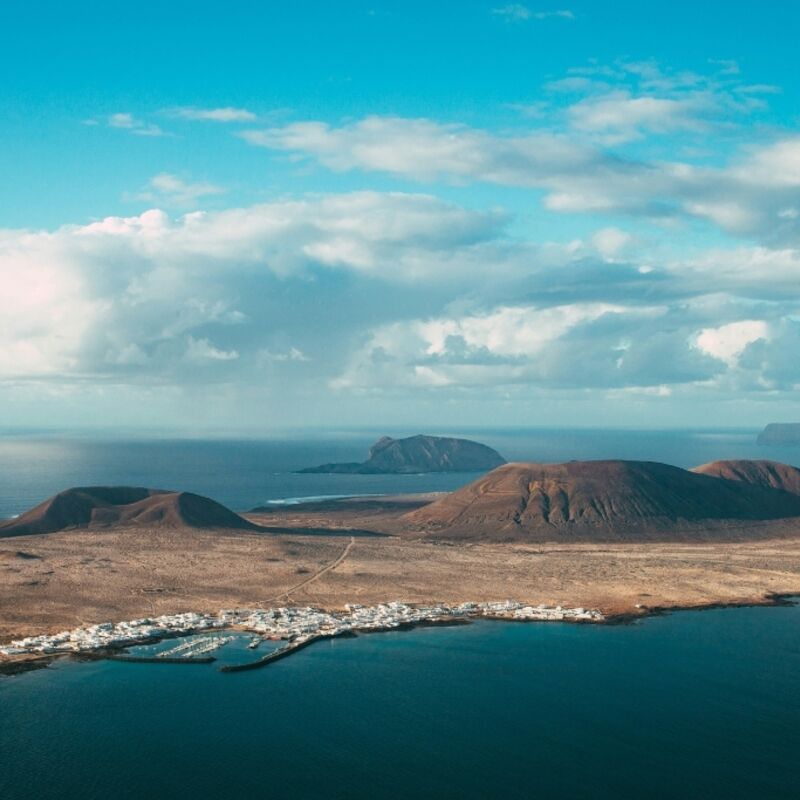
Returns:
(109, 634)
(294, 624)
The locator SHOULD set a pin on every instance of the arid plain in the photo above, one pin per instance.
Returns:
(83, 576)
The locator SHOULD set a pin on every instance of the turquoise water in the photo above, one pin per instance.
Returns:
(692, 705)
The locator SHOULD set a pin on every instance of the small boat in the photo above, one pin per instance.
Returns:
(255, 643)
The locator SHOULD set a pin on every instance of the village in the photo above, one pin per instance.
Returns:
(294, 624)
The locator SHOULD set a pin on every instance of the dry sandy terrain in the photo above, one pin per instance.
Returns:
(51, 582)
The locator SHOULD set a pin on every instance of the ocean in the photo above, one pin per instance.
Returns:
(243, 474)
(702, 704)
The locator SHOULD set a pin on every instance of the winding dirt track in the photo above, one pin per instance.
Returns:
(319, 573)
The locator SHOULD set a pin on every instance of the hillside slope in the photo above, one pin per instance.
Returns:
(767, 474)
(595, 499)
(107, 506)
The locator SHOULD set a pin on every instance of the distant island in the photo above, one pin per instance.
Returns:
(421, 453)
(780, 433)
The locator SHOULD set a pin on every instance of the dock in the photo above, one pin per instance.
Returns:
(275, 655)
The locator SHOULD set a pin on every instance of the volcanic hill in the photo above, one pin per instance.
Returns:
(419, 454)
(597, 500)
(121, 506)
(767, 474)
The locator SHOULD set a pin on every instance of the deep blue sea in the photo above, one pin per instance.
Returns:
(702, 704)
(245, 473)
(692, 705)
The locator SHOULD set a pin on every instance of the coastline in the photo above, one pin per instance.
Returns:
(24, 662)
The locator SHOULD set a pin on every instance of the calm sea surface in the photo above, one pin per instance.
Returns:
(693, 705)
(243, 474)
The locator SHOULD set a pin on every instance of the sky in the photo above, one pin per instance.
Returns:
(254, 216)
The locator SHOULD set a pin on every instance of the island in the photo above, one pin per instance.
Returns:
(780, 433)
(583, 541)
(416, 454)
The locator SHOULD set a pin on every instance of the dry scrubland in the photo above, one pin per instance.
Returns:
(77, 577)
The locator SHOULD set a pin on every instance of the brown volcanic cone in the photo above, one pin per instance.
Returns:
(595, 499)
(106, 506)
(768, 474)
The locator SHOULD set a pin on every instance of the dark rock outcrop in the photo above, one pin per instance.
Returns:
(780, 433)
(419, 454)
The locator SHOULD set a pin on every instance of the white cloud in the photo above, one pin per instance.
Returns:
(748, 196)
(224, 114)
(622, 117)
(292, 354)
(200, 350)
(611, 242)
(517, 12)
(547, 346)
(774, 166)
(129, 122)
(174, 191)
(427, 150)
(387, 291)
(727, 342)
(123, 293)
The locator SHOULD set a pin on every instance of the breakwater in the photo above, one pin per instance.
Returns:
(275, 655)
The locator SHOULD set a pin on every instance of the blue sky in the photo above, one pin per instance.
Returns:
(398, 213)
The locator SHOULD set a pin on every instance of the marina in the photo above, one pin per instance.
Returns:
(296, 626)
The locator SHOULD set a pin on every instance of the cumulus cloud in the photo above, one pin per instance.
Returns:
(121, 295)
(728, 342)
(586, 345)
(388, 292)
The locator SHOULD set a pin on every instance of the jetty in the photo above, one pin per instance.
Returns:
(100, 655)
(275, 655)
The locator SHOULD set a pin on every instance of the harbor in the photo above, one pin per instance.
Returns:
(296, 627)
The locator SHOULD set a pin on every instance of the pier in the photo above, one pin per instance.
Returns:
(275, 655)
(154, 659)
